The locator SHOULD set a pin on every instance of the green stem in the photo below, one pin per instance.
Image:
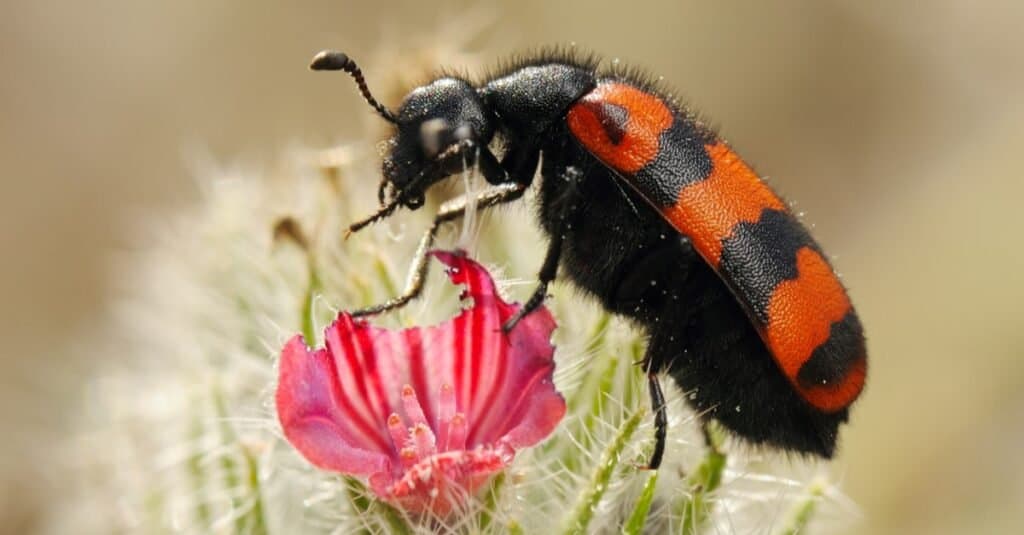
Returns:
(597, 338)
(802, 512)
(580, 517)
(636, 375)
(597, 403)
(599, 333)
(706, 479)
(256, 522)
(491, 502)
(197, 475)
(314, 287)
(393, 518)
(384, 275)
(363, 505)
(637, 520)
(605, 381)
(357, 498)
(250, 521)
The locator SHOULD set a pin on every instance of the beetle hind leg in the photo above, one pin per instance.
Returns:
(660, 420)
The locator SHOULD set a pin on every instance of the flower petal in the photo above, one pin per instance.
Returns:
(428, 413)
(316, 418)
(508, 385)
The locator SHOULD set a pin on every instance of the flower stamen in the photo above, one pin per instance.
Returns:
(397, 431)
(412, 407)
(457, 432)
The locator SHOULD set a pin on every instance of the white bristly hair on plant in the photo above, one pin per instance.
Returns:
(178, 430)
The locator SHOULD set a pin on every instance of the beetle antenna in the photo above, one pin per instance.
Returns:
(330, 60)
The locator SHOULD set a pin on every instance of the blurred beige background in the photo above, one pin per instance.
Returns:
(898, 129)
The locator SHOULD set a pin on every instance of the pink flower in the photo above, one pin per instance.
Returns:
(427, 414)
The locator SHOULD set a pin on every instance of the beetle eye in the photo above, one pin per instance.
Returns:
(431, 136)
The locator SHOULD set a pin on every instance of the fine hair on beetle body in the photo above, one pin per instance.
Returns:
(647, 210)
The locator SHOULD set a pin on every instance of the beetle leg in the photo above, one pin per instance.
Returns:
(449, 211)
(549, 268)
(660, 420)
(547, 274)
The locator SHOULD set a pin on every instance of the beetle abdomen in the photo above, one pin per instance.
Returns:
(740, 227)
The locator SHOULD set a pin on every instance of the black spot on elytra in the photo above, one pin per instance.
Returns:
(831, 361)
(681, 161)
(614, 120)
(760, 255)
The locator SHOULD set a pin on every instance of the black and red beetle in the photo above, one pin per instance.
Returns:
(654, 215)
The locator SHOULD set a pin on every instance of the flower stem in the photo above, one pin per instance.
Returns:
(635, 376)
(197, 474)
(363, 505)
(395, 521)
(255, 523)
(706, 479)
(357, 498)
(384, 275)
(597, 340)
(598, 333)
(314, 287)
(491, 503)
(597, 385)
(605, 386)
(637, 520)
(247, 519)
(581, 515)
(804, 510)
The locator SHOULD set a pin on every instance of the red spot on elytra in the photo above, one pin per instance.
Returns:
(635, 143)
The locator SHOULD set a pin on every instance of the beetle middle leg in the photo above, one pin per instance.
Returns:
(549, 269)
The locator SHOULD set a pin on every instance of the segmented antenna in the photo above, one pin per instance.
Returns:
(330, 60)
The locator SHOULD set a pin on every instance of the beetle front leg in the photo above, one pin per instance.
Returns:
(449, 211)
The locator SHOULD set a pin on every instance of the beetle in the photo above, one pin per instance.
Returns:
(650, 212)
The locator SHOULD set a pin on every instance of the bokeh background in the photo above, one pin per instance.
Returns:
(897, 127)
